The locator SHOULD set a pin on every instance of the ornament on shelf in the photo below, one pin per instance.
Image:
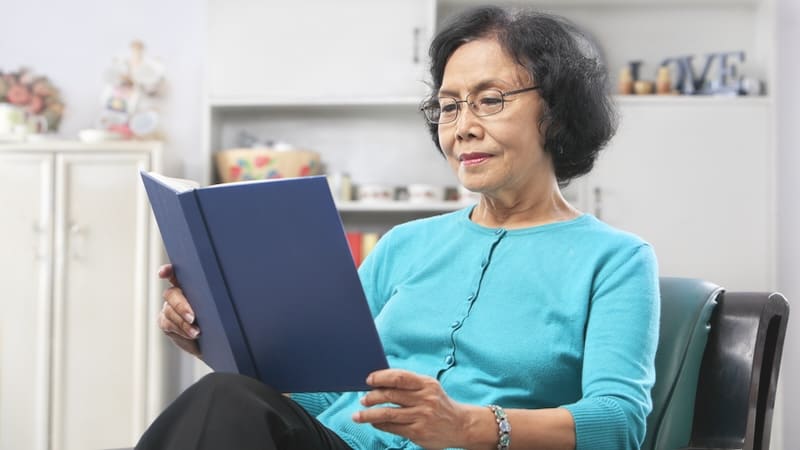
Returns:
(130, 98)
(719, 76)
(31, 100)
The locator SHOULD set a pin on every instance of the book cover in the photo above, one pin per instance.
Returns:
(267, 268)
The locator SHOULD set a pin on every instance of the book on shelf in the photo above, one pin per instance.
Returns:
(267, 269)
(354, 242)
(361, 244)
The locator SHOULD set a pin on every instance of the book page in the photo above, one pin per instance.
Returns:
(178, 184)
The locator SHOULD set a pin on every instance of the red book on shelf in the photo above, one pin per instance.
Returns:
(354, 239)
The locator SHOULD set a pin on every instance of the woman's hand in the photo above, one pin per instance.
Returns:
(177, 318)
(424, 412)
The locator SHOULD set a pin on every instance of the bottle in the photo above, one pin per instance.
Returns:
(625, 85)
(663, 81)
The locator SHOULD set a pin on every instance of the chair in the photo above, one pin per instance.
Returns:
(717, 367)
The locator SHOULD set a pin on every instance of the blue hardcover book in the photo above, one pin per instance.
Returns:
(268, 272)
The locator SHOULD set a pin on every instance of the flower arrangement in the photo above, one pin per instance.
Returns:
(36, 95)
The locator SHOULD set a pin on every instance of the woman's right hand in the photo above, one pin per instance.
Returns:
(176, 319)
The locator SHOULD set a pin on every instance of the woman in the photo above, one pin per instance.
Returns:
(518, 312)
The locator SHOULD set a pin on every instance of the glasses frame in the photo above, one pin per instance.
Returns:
(467, 101)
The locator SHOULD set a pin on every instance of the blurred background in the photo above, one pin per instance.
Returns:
(704, 165)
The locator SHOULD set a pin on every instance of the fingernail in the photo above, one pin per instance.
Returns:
(189, 317)
(194, 332)
(356, 417)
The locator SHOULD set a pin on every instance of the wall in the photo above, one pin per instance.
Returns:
(73, 42)
(788, 101)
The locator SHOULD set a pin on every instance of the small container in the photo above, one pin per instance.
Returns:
(625, 85)
(375, 193)
(663, 81)
(643, 87)
(425, 193)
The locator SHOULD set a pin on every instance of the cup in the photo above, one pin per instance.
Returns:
(425, 193)
(10, 118)
(375, 193)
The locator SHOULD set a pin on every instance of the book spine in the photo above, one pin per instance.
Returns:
(368, 242)
(242, 353)
(354, 240)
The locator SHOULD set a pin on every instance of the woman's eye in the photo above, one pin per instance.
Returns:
(491, 101)
(449, 108)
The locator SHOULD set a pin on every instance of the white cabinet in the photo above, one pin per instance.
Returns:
(696, 178)
(80, 359)
(267, 50)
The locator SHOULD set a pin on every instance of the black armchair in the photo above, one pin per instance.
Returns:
(717, 367)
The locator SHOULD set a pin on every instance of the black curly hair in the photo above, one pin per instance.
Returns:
(579, 116)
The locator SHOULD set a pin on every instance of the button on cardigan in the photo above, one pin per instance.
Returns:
(558, 315)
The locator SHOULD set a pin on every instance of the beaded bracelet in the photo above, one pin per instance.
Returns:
(503, 426)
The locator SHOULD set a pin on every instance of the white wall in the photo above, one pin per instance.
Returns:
(73, 42)
(788, 100)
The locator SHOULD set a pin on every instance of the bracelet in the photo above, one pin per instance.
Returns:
(503, 427)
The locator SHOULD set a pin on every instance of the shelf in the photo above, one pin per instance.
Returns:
(398, 206)
(700, 100)
(256, 102)
(606, 3)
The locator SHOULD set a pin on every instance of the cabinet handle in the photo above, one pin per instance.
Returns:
(39, 250)
(598, 202)
(76, 231)
(417, 34)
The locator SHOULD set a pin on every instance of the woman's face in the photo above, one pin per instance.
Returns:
(502, 153)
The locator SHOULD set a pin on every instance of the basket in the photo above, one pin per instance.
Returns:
(242, 164)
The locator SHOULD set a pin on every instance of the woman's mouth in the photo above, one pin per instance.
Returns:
(472, 159)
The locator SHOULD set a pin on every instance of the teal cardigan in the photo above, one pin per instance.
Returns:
(557, 315)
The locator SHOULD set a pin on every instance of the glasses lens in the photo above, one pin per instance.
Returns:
(487, 102)
(448, 109)
(432, 111)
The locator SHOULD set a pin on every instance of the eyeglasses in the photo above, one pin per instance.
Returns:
(483, 103)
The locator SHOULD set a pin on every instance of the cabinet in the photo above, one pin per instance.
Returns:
(695, 178)
(262, 51)
(80, 359)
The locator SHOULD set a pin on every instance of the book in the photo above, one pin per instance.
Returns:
(354, 241)
(268, 272)
(368, 242)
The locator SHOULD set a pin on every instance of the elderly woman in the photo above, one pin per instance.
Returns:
(517, 323)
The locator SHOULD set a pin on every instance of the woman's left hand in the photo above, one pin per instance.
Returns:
(424, 412)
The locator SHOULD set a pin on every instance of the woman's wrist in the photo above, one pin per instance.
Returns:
(481, 429)
(503, 427)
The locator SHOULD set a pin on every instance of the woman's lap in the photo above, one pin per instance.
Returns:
(233, 411)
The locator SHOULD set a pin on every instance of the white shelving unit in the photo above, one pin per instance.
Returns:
(693, 175)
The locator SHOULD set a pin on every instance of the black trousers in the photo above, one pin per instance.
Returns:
(227, 411)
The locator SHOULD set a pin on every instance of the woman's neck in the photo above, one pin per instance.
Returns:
(523, 210)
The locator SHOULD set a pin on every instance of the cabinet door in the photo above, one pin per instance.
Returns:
(315, 49)
(26, 186)
(100, 300)
(695, 179)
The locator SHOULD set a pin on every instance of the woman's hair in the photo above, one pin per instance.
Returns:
(578, 117)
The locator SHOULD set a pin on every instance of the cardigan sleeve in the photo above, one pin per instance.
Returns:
(619, 355)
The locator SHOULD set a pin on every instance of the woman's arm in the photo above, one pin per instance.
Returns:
(427, 416)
